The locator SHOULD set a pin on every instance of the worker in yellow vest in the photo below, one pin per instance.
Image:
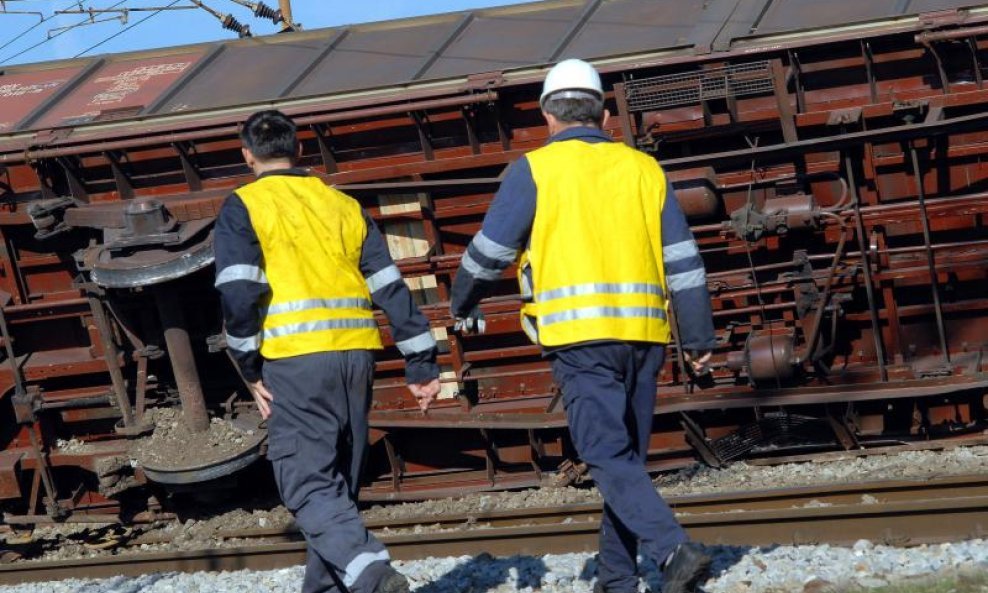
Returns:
(601, 246)
(298, 265)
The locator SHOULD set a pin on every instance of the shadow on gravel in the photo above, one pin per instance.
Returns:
(485, 572)
(724, 557)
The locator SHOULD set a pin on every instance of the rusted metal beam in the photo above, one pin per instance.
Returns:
(112, 357)
(182, 361)
(930, 255)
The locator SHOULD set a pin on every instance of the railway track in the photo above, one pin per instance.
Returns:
(902, 512)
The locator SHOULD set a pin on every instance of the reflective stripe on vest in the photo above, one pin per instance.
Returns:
(305, 305)
(600, 288)
(311, 236)
(602, 312)
(314, 326)
(595, 256)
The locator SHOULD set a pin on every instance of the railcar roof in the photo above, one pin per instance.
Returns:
(385, 57)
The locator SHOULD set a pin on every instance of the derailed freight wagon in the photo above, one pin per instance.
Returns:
(829, 160)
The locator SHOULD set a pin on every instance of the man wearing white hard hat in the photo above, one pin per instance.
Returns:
(602, 248)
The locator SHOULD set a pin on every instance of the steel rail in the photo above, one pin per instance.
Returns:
(902, 512)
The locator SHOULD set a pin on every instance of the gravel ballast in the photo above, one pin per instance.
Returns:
(801, 569)
(737, 477)
(200, 532)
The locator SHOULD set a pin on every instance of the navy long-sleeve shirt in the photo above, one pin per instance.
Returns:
(244, 289)
(508, 225)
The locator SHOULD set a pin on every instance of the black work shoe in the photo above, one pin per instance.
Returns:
(598, 588)
(687, 566)
(393, 582)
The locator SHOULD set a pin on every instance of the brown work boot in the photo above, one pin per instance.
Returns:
(393, 582)
(684, 569)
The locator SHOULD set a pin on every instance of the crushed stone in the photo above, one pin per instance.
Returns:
(206, 531)
(735, 569)
(73, 446)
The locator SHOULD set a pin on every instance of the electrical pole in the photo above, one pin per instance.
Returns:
(288, 23)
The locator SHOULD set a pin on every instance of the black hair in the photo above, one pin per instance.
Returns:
(588, 110)
(270, 135)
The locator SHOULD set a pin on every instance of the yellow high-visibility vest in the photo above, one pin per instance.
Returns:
(311, 236)
(593, 269)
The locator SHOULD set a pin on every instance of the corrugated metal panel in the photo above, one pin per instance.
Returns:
(119, 86)
(385, 54)
(626, 26)
(725, 22)
(794, 15)
(501, 39)
(378, 56)
(22, 92)
(247, 71)
(920, 6)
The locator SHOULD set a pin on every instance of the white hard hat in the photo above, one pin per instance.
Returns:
(572, 75)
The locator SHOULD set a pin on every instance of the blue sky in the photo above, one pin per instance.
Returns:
(25, 38)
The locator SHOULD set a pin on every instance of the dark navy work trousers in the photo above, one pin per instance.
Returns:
(609, 394)
(317, 442)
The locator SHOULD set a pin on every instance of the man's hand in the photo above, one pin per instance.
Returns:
(699, 364)
(262, 397)
(425, 393)
(473, 322)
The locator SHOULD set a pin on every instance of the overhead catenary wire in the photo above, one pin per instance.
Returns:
(227, 20)
(261, 10)
(47, 39)
(92, 21)
(128, 28)
(29, 29)
(283, 14)
(5, 10)
(124, 13)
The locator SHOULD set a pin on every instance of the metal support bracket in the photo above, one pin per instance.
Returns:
(842, 428)
(538, 452)
(323, 134)
(124, 186)
(397, 469)
(699, 441)
(425, 139)
(189, 169)
(490, 456)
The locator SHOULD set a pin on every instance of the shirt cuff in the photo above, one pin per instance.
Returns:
(421, 367)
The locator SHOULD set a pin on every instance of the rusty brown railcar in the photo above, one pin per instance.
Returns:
(830, 157)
